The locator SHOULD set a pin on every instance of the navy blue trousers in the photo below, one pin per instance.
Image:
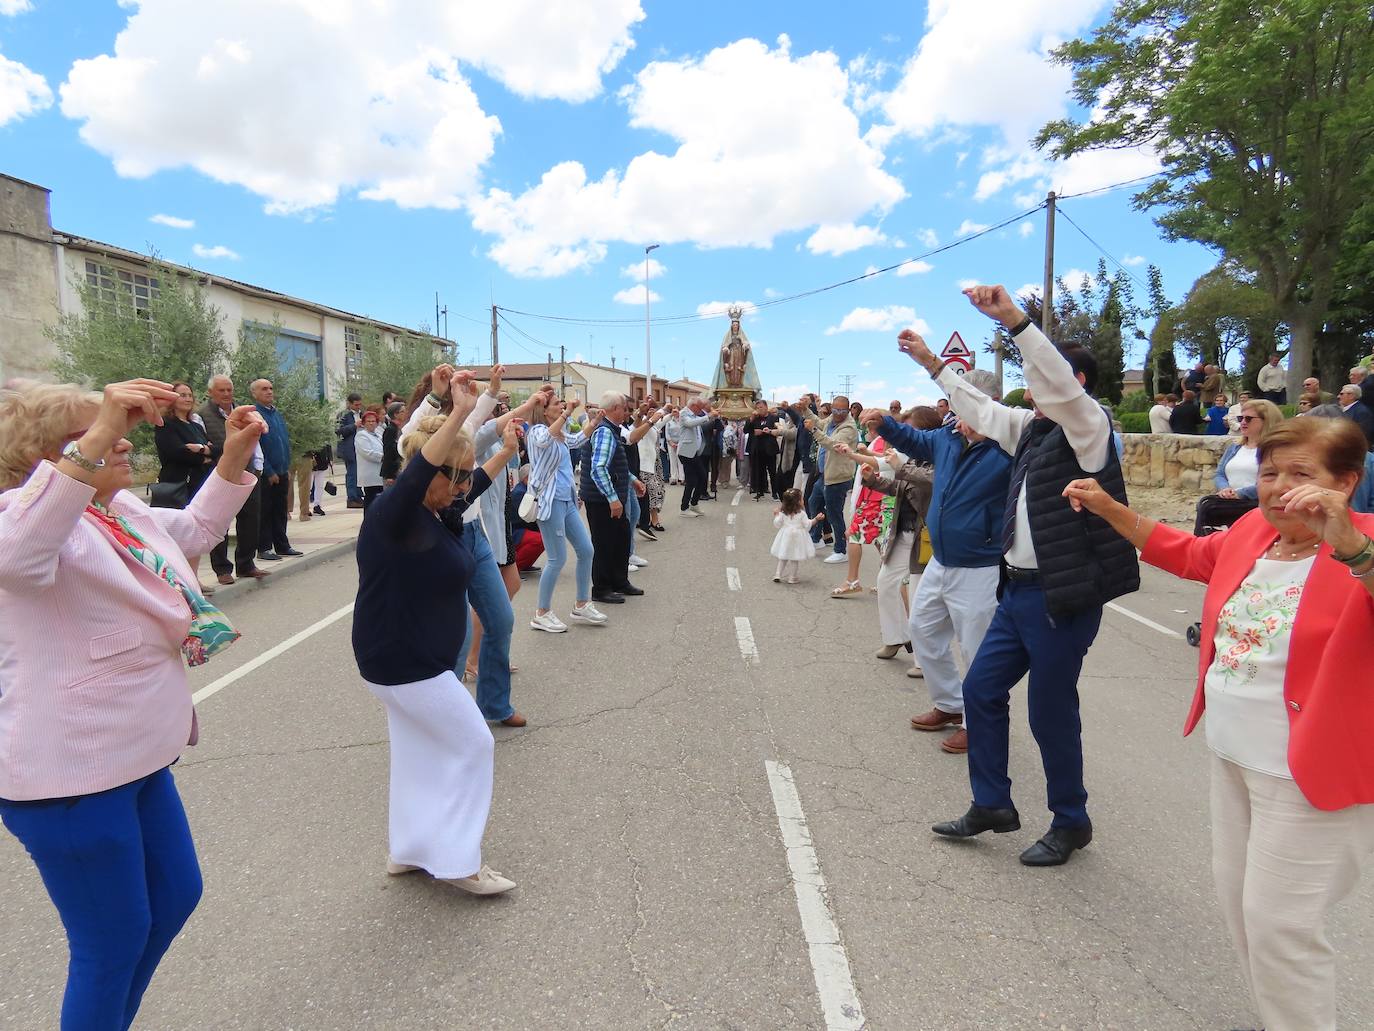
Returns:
(1023, 638)
(121, 869)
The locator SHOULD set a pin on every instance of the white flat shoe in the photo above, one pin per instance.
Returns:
(485, 882)
(395, 869)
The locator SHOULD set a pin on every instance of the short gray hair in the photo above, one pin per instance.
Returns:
(210, 384)
(1359, 370)
(611, 398)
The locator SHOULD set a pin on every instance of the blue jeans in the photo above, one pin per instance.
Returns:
(563, 525)
(487, 594)
(121, 869)
(1022, 637)
(815, 505)
(632, 516)
(835, 495)
(351, 489)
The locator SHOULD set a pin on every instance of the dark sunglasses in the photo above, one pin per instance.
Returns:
(456, 476)
(1249, 418)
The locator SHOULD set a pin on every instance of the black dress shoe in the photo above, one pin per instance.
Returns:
(291, 553)
(630, 590)
(317, 510)
(608, 597)
(1057, 846)
(268, 556)
(977, 820)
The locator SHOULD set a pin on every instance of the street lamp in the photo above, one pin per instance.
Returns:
(648, 357)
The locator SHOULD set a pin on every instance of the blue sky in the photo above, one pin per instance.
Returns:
(366, 153)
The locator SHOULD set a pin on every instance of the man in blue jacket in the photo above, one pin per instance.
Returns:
(276, 469)
(957, 594)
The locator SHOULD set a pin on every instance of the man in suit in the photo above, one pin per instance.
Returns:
(1360, 376)
(763, 451)
(1186, 416)
(276, 474)
(1357, 411)
(213, 413)
(346, 427)
(693, 425)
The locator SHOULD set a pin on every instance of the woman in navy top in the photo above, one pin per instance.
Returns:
(413, 573)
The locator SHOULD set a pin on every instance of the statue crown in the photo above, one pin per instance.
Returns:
(736, 312)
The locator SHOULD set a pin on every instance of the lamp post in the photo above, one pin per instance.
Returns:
(648, 356)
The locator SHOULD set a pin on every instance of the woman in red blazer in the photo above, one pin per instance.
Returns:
(1286, 625)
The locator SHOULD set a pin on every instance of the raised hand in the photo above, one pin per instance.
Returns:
(842, 448)
(129, 403)
(510, 437)
(995, 303)
(872, 416)
(1325, 512)
(912, 344)
(894, 458)
(441, 379)
(494, 386)
(465, 382)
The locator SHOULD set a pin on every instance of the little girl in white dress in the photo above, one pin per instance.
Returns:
(793, 544)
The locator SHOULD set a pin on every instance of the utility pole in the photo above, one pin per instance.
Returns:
(495, 344)
(562, 370)
(436, 312)
(818, 379)
(1047, 308)
(648, 356)
(548, 368)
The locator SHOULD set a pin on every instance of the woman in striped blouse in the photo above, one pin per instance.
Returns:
(560, 522)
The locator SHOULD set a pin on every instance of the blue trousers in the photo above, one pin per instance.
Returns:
(351, 488)
(121, 869)
(487, 595)
(1022, 637)
(835, 495)
(815, 505)
(632, 516)
(563, 527)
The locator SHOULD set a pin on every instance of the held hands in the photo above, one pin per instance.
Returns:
(1228, 494)
(494, 387)
(894, 458)
(126, 405)
(510, 438)
(872, 417)
(617, 509)
(1088, 494)
(842, 448)
(441, 379)
(640, 489)
(995, 303)
(1325, 512)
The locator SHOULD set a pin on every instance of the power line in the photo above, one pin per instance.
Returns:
(532, 339)
(1114, 186)
(1138, 281)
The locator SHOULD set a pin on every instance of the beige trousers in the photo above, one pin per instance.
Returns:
(300, 474)
(1280, 867)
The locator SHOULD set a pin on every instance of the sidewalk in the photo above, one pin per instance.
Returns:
(321, 538)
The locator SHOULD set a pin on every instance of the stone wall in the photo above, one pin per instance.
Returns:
(1172, 460)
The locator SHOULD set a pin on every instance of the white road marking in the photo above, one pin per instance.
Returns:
(1142, 620)
(729, 543)
(732, 578)
(730, 519)
(214, 687)
(829, 961)
(745, 633)
(738, 494)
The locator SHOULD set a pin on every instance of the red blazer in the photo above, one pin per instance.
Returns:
(1329, 686)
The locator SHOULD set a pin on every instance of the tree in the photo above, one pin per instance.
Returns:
(396, 366)
(309, 417)
(1259, 112)
(1224, 315)
(1161, 364)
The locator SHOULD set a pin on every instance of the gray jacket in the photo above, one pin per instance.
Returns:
(690, 429)
(911, 485)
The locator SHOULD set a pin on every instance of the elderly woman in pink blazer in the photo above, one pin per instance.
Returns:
(99, 614)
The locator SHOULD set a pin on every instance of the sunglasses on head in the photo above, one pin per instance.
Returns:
(456, 476)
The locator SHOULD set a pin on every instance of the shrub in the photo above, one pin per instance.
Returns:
(1135, 422)
(1016, 398)
(1135, 401)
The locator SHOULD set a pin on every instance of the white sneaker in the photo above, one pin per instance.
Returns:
(485, 882)
(395, 869)
(821, 546)
(549, 623)
(638, 563)
(836, 559)
(587, 613)
(691, 512)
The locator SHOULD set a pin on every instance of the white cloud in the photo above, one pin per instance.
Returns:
(214, 253)
(22, 91)
(914, 268)
(1029, 290)
(714, 309)
(790, 391)
(635, 295)
(876, 320)
(968, 227)
(928, 238)
(635, 270)
(1134, 260)
(789, 157)
(1025, 229)
(13, 7)
(869, 387)
(841, 239)
(323, 98)
(172, 222)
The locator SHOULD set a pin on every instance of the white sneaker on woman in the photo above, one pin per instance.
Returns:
(836, 558)
(638, 563)
(587, 613)
(548, 622)
(485, 882)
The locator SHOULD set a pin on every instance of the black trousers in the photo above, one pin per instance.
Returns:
(712, 469)
(246, 545)
(763, 473)
(610, 547)
(272, 526)
(693, 479)
(1214, 513)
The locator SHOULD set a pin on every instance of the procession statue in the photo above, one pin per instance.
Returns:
(736, 383)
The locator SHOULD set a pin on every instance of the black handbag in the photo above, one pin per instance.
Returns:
(168, 495)
(329, 488)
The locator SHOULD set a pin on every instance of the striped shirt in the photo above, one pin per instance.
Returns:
(551, 466)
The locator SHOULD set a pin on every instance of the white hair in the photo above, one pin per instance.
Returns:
(210, 385)
(611, 398)
(1359, 370)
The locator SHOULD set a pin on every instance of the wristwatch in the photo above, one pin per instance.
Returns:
(73, 454)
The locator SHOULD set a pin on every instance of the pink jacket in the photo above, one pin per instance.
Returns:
(93, 690)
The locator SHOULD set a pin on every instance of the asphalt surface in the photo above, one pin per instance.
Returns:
(636, 815)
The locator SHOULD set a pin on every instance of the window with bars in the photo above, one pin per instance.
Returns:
(353, 355)
(121, 289)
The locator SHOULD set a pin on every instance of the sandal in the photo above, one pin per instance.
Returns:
(846, 589)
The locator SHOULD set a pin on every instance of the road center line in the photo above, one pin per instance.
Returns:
(214, 687)
(1142, 620)
(829, 961)
(748, 650)
(730, 519)
(732, 578)
(735, 500)
(729, 543)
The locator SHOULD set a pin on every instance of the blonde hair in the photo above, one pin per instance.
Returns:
(34, 419)
(458, 455)
(1271, 413)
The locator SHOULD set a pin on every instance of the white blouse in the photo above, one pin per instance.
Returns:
(1243, 468)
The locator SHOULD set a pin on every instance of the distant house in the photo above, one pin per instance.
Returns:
(1132, 380)
(524, 379)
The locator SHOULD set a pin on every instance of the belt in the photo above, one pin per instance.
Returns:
(1018, 575)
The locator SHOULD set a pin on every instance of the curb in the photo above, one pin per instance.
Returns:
(296, 565)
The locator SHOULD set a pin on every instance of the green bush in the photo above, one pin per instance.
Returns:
(1135, 401)
(1016, 398)
(1135, 422)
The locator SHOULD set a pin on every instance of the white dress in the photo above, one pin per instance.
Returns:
(793, 542)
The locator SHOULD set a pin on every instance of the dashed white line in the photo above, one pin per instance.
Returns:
(257, 663)
(729, 543)
(829, 961)
(730, 519)
(735, 500)
(1142, 620)
(744, 633)
(732, 578)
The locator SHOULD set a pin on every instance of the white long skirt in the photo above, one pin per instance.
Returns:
(442, 766)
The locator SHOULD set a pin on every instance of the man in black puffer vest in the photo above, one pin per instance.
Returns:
(1059, 568)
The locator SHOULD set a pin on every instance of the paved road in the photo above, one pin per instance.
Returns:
(638, 817)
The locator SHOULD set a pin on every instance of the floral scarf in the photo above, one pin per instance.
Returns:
(210, 630)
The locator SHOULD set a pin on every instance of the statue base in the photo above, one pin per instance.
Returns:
(735, 402)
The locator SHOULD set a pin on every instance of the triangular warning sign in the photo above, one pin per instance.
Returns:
(956, 348)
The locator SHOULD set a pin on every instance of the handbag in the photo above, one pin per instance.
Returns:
(329, 488)
(529, 507)
(168, 495)
(924, 551)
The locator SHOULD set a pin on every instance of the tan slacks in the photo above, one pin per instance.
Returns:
(301, 473)
(1281, 866)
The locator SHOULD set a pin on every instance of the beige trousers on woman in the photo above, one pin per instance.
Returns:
(1280, 867)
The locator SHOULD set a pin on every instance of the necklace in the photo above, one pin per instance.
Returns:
(1295, 552)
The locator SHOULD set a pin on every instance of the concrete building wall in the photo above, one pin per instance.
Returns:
(28, 280)
(600, 379)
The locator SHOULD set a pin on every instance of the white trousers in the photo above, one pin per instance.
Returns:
(950, 602)
(893, 621)
(1280, 867)
(442, 765)
(317, 481)
(675, 464)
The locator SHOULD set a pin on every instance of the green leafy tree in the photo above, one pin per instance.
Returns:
(1260, 114)
(309, 417)
(396, 366)
(1226, 315)
(1161, 363)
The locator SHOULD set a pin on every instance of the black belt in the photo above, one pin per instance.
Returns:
(1018, 575)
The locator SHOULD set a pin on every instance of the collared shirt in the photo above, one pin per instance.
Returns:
(603, 447)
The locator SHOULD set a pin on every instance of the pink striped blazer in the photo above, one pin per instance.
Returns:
(93, 690)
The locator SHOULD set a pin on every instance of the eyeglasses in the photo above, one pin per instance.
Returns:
(456, 476)
(1249, 418)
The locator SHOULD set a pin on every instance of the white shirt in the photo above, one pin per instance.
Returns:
(1272, 377)
(1159, 419)
(1058, 395)
(648, 448)
(368, 448)
(1243, 468)
(254, 463)
(1247, 719)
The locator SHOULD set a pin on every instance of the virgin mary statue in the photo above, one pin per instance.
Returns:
(736, 371)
